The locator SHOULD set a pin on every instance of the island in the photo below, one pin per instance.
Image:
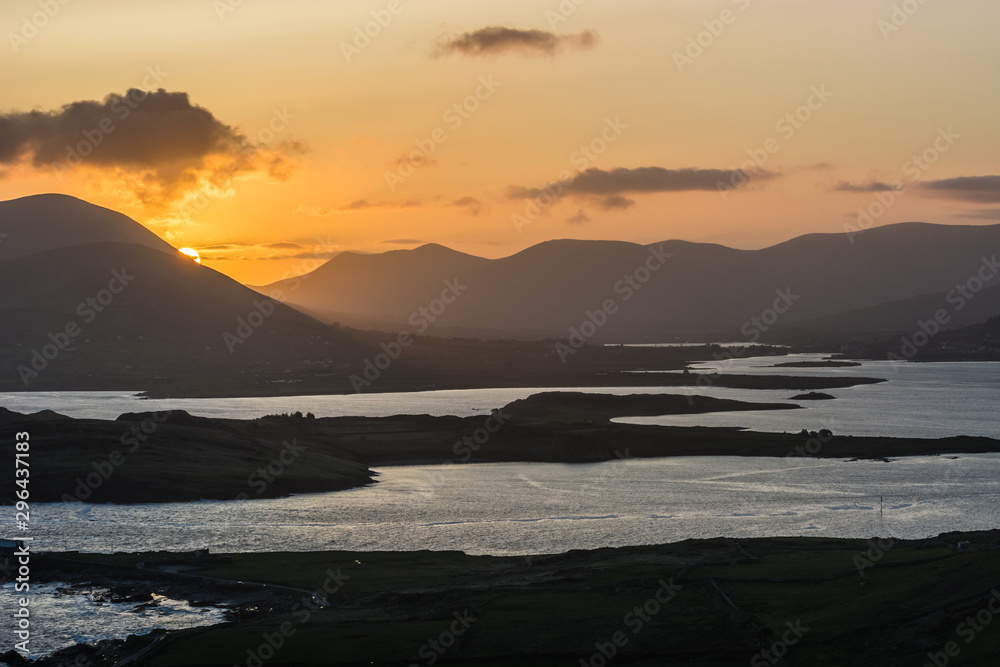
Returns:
(174, 456)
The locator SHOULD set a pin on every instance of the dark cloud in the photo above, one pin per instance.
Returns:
(606, 187)
(580, 218)
(616, 202)
(319, 255)
(870, 186)
(158, 144)
(258, 251)
(982, 214)
(402, 242)
(222, 246)
(364, 204)
(966, 188)
(471, 204)
(282, 245)
(497, 39)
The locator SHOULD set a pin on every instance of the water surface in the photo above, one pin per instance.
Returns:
(531, 508)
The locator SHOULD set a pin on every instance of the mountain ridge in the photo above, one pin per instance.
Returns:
(704, 290)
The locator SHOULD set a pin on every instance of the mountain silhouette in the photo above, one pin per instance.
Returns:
(45, 222)
(91, 295)
(704, 291)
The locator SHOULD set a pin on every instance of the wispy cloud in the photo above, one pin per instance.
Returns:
(472, 205)
(981, 214)
(494, 40)
(965, 188)
(869, 186)
(364, 204)
(580, 218)
(618, 202)
(607, 188)
(412, 159)
(267, 251)
(313, 211)
(402, 242)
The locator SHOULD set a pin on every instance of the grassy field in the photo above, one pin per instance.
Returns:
(790, 601)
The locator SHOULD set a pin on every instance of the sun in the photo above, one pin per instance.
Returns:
(192, 253)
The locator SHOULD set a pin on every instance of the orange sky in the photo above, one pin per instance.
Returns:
(323, 124)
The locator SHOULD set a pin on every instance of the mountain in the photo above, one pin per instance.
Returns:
(93, 300)
(393, 281)
(901, 316)
(45, 222)
(701, 291)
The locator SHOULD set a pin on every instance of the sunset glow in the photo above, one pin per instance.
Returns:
(286, 132)
(190, 252)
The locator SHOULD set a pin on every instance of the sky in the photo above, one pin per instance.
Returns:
(270, 136)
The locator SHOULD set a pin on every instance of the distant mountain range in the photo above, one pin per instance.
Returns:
(886, 280)
(93, 300)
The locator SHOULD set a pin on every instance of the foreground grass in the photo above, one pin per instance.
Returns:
(720, 603)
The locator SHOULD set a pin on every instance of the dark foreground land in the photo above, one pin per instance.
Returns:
(174, 456)
(769, 601)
